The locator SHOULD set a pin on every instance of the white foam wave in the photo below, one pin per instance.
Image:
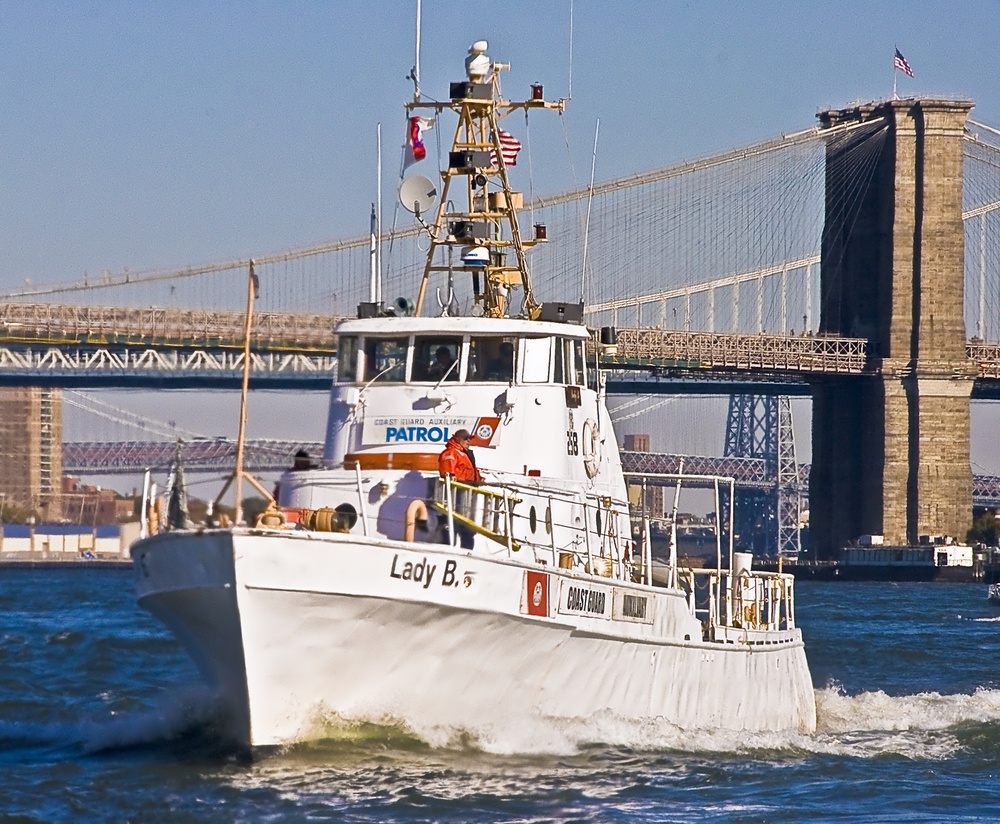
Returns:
(862, 726)
(876, 711)
(916, 726)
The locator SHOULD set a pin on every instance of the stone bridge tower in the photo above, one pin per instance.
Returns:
(891, 453)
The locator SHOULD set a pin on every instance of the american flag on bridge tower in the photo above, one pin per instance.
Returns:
(509, 147)
(900, 64)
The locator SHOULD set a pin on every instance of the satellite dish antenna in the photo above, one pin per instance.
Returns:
(417, 194)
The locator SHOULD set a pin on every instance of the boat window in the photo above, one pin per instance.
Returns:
(537, 355)
(567, 366)
(435, 358)
(491, 359)
(576, 363)
(559, 370)
(347, 359)
(385, 359)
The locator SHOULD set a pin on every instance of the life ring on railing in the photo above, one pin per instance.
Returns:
(416, 515)
(591, 448)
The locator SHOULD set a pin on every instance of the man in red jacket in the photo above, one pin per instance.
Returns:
(458, 461)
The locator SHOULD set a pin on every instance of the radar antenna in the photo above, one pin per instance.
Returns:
(486, 230)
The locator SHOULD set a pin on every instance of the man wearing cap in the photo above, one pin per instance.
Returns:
(458, 461)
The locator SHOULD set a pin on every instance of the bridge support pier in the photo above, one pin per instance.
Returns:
(891, 452)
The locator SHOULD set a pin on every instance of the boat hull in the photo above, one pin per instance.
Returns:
(295, 628)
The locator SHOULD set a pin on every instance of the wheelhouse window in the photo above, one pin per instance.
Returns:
(576, 363)
(537, 359)
(492, 359)
(568, 362)
(436, 358)
(347, 359)
(385, 359)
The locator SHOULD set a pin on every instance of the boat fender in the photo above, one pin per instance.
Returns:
(416, 515)
(591, 448)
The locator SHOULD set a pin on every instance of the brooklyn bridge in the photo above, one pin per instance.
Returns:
(855, 263)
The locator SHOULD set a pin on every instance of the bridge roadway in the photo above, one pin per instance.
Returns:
(106, 347)
(218, 455)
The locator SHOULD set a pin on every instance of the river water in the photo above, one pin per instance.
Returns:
(104, 718)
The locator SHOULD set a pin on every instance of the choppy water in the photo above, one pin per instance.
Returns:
(103, 718)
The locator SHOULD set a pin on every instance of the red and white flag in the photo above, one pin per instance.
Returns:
(509, 147)
(901, 65)
(414, 148)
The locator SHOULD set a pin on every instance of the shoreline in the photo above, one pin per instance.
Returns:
(39, 561)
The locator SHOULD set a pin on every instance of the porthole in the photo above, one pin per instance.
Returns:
(532, 518)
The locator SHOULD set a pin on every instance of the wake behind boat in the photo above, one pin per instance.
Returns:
(379, 588)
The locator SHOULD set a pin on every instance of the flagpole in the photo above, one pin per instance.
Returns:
(416, 59)
(895, 71)
(378, 215)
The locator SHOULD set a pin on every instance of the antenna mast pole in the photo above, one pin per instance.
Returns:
(478, 155)
(586, 227)
(378, 216)
(416, 60)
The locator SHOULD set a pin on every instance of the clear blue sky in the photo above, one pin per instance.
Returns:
(152, 135)
(148, 135)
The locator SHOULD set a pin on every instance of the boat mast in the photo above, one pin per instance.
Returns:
(486, 230)
(241, 434)
(239, 473)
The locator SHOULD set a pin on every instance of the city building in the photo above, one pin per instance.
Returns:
(31, 450)
(92, 505)
(654, 494)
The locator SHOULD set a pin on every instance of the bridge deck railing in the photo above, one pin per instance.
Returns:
(62, 324)
(797, 353)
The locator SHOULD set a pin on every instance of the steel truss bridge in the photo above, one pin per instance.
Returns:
(74, 347)
(706, 269)
(215, 455)
(269, 455)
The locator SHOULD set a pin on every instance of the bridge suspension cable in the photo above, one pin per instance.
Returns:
(663, 402)
(729, 242)
(102, 409)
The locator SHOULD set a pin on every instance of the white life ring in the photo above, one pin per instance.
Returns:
(591, 448)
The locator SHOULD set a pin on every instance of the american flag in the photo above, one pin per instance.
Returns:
(900, 64)
(509, 147)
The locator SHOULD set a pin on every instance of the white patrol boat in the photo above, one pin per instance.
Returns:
(355, 597)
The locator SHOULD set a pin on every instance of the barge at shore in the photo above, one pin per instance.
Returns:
(937, 559)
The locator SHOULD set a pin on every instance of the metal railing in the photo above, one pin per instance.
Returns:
(713, 350)
(490, 511)
(57, 324)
